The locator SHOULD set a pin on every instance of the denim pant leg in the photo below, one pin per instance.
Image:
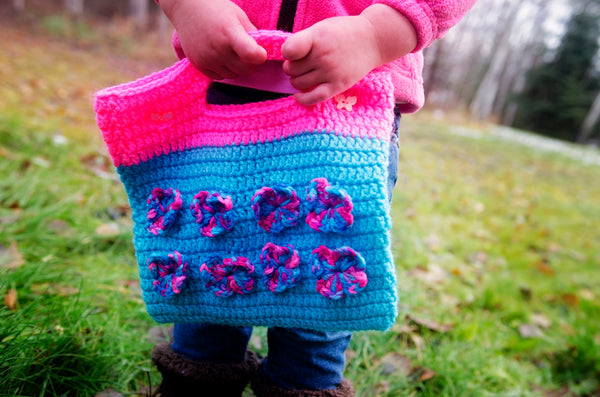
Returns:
(211, 342)
(306, 359)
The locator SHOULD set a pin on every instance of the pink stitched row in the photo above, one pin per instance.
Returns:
(166, 111)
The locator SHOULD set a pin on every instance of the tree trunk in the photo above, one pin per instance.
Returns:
(139, 12)
(74, 7)
(482, 105)
(19, 5)
(590, 121)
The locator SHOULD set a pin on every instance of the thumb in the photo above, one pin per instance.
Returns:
(248, 49)
(298, 45)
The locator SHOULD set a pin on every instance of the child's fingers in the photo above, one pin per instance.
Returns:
(239, 67)
(298, 45)
(247, 49)
(307, 81)
(219, 73)
(300, 67)
(320, 93)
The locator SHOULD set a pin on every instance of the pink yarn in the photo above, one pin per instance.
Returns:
(152, 106)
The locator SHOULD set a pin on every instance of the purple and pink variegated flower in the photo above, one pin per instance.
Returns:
(340, 271)
(330, 208)
(276, 207)
(169, 273)
(228, 276)
(164, 207)
(281, 268)
(213, 211)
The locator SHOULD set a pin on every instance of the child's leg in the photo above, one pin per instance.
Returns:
(205, 359)
(304, 363)
(211, 342)
(306, 359)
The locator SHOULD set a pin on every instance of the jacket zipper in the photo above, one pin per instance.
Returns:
(287, 14)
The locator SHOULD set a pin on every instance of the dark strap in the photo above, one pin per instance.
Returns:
(287, 14)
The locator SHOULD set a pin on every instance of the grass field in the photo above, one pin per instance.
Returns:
(496, 244)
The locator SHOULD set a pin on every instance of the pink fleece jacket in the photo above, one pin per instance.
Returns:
(430, 18)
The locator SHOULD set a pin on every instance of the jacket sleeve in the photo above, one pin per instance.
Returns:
(430, 18)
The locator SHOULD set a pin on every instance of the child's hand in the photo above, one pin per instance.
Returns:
(213, 36)
(334, 54)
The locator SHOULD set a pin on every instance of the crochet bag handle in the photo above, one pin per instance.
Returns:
(164, 111)
(271, 40)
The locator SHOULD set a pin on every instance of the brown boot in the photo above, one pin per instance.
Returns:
(184, 377)
(265, 388)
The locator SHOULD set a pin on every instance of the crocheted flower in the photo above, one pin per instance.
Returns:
(213, 212)
(228, 276)
(339, 271)
(330, 208)
(276, 207)
(169, 273)
(281, 270)
(163, 210)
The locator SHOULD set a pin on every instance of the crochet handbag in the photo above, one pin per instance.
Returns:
(269, 213)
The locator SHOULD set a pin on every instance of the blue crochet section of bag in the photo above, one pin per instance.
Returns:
(289, 233)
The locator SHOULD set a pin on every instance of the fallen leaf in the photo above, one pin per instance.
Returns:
(256, 342)
(100, 165)
(562, 392)
(433, 274)
(570, 299)
(431, 325)
(530, 331)
(433, 242)
(394, 362)
(64, 290)
(4, 152)
(479, 207)
(41, 162)
(418, 341)
(587, 295)
(14, 216)
(109, 393)
(449, 300)
(526, 292)
(54, 289)
(553, 248)
(545, 268)
(350, 355)
(40, 288)
(159, 334)
(541, 320)
(426, 374)
(131, 284)
(58, 225)
(119, 211)
(478, 258)
(410, 213)
(10, 257)
(108, 230)
(382, 388)
(10, 300)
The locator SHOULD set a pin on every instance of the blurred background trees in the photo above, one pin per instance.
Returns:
(529, 64)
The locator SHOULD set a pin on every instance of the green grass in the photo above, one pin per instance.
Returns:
(79, 325)
(489, 236)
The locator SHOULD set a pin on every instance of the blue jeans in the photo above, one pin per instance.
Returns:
(298, 358)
